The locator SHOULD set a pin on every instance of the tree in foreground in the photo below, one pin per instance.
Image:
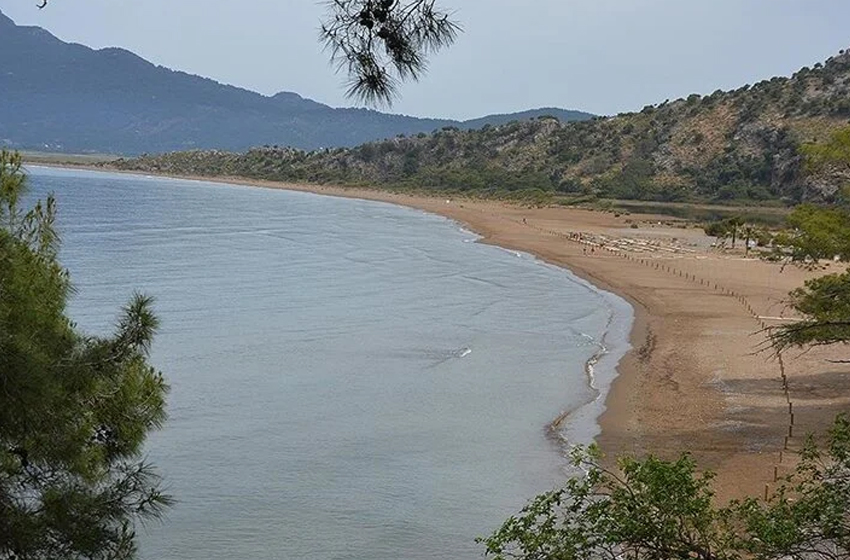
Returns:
(380, 43)
(824, 303)
(652, 509)
(74, 409)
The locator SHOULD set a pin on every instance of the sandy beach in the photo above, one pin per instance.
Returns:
(698, 378)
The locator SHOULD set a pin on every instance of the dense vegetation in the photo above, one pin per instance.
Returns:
(651, 509)
(742, 145)
(74, 409)
(65, 97)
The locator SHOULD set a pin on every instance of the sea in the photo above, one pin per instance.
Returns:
(349, 379)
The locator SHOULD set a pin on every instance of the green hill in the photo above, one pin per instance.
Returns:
(742, 145)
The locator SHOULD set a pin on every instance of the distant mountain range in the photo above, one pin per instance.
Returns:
(65, 97)
(746, 145)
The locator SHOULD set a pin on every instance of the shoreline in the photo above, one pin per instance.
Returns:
(582, 424)
(688, 378)
(587, 415)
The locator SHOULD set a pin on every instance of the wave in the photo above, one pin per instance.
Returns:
(580, 424)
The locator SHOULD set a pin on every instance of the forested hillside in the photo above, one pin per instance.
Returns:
(741, 145)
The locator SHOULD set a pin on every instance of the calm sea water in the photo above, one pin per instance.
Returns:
(350, 379)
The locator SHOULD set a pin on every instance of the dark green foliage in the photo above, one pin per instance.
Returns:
(818, 233)
(737, 175)
(633, 182)
(380, 43)
(74, 409)
(569, 186)
(736, 228)
(482, 180)
(721, 228)
(652, 509)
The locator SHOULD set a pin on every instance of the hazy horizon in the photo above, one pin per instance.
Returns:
(603, 58)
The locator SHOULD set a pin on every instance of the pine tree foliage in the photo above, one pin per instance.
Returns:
(74, 409)
(824, 303)
(380, 43)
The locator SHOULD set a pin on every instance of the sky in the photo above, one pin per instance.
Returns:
(601, 56)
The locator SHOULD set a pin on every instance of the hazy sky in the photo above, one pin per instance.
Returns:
(602, 56)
